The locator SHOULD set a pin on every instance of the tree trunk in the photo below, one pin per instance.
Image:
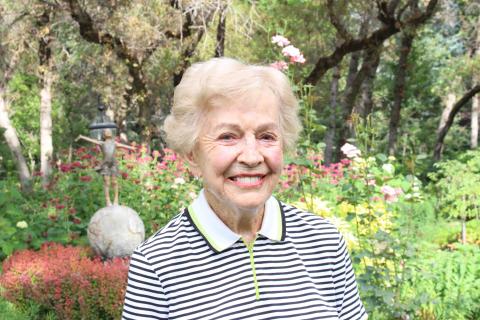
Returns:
(464, 231)
(137, 97)
(46, 76)
(11, 137)
(476, 100)
(399, 90)
(474, 122)
(46, 144)
(190, 49)
(448, 116)
(220, 46)
(449, 103)
(336, 115)
(365, 107)
(370, 57)
(332, 121)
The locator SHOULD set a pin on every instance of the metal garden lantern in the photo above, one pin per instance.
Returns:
(101, 122)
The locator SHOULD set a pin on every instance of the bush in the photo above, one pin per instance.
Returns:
(65, 280)
(445, 285)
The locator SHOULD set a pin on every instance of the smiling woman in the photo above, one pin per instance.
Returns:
(237, 252)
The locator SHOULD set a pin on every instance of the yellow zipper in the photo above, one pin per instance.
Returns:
(252, 264)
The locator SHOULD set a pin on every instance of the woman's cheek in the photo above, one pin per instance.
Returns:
(275, 160)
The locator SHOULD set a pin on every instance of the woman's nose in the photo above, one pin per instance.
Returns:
(250, 154)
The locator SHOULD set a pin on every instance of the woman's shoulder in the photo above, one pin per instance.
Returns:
(168, 235)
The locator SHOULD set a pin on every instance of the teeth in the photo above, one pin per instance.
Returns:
(247, 180)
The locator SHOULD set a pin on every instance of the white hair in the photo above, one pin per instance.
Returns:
(230, 79)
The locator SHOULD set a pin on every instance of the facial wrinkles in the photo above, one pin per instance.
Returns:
(239, 155)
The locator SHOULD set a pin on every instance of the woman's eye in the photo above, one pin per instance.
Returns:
(226, 137)
(268, 137)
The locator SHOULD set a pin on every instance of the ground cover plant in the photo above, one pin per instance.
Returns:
(65, 281)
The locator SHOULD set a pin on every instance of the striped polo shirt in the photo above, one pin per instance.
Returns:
(197, 268)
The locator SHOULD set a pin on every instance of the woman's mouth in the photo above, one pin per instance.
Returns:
(247, 181)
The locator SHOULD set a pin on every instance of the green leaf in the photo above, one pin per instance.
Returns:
(382, 157)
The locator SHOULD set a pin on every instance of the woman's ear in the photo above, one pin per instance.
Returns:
(192, 163)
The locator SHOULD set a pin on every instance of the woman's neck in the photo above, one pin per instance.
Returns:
(242, 221)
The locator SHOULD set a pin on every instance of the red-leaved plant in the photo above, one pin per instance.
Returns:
(66, 280)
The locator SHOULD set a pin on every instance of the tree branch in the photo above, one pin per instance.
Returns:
(221, 26)
(336, 22)
(442, 132)
(391, 26)
(89, 32)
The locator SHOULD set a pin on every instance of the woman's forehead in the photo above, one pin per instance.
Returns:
(250, 97)
(262, 112)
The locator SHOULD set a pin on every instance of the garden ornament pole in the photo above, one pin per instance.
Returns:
(108, 168)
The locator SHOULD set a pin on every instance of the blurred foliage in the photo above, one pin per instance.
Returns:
(457, 183)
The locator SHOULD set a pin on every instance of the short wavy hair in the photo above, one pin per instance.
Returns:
(229, 79)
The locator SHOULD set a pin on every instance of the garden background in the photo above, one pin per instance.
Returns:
(389, 102)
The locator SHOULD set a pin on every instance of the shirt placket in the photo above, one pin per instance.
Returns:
(249, 246)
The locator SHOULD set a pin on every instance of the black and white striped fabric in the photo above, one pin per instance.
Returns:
(197, 268)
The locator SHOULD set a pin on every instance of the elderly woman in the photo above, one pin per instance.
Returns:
(237, 252)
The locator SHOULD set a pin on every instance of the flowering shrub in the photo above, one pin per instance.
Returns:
(66, 280)
(156, 187)
(356, 194)
(369, 202)
(289, 51)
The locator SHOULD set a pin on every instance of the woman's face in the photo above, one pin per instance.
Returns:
(239, 152)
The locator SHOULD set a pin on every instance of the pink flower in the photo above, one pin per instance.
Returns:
(298, 58)
(162, 166)
(279, 65)
(65, 167)
(291, 51)
(171, 157)
(390, 194)
(76, 164)
(281, 41)
(350, 150)
(371, 182)
(145, 159)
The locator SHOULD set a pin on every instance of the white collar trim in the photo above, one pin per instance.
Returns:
(219, 236)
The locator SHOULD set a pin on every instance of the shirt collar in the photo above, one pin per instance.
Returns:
(220, 237)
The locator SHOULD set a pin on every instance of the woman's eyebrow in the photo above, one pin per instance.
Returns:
(267, 126)
(234, 126)
(226, 125)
